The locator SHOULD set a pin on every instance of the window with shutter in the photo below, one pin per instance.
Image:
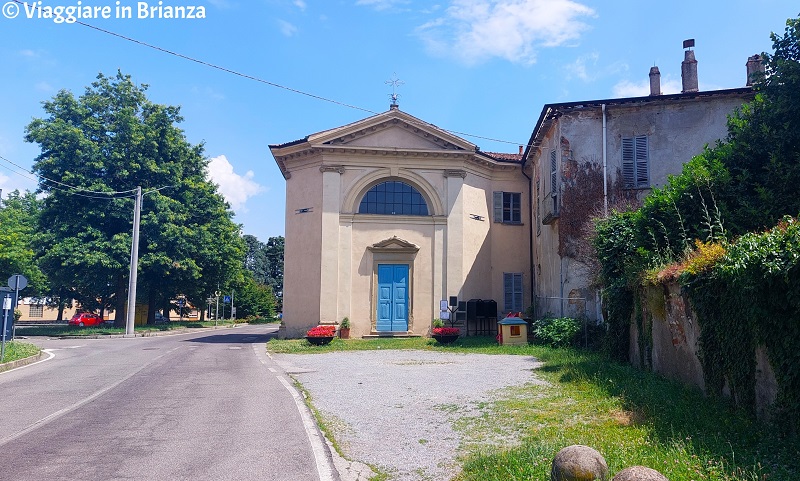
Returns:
(507, 207)
(635, 162)
(512, 291)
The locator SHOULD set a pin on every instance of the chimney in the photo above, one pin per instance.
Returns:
(655, 81)
(755, 68)
(689, 68)
(520, 153)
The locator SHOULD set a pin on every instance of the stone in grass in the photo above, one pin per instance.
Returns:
(639, 473)
(579, 463)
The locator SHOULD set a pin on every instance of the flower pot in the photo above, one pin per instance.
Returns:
(344, 333)
(319, 341)
(445, 338)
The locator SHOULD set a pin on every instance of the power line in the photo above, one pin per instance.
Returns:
(260, 80)
(81, 192)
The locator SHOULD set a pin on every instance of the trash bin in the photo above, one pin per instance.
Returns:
(512, 331)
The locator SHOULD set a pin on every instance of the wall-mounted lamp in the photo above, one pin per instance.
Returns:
(476, 217)
(304, 210)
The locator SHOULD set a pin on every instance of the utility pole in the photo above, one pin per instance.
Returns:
(137, 214)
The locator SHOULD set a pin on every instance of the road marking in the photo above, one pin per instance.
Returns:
(272, 369)
(49, 353)
(314, 436)
(47, 419)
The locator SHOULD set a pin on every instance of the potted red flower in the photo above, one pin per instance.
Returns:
(320, 335)
(444, 335)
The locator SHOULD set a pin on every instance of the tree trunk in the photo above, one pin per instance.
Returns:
(60, 316)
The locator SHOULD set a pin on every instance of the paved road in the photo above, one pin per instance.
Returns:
(205, 405)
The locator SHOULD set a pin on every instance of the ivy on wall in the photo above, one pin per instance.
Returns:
(751, 297)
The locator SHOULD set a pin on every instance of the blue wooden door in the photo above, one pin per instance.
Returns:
(392, 309)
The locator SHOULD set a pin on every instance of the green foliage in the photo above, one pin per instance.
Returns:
(620, 263)
(19, 350)
(438, 323)
(113, 139)
(265, 262)
(345, 324)
(557, 332)
(255, 300)
(751, 297)
(746, 292)
(18, 217)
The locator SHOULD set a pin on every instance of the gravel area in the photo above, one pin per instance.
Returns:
(394, 409)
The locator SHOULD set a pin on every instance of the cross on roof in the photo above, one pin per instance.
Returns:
(395, 83)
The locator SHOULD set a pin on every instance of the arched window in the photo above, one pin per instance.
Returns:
(393, 198)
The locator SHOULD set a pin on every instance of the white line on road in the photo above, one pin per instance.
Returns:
(49, 354)
(314, 436)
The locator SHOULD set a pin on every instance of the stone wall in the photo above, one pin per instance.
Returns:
(665, 338)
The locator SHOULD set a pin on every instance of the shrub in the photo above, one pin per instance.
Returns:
(557, 332)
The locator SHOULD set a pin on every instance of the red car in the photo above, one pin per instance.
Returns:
(85, 319)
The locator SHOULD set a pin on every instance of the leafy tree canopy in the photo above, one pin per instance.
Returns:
(95, 150)
(18, 217)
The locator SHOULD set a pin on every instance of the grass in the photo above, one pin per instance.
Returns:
(632, 417)
(16, 350)
(63, 330)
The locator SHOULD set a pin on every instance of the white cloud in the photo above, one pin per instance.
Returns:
(4, 183)
(286, 28)
(300, 4)
(234, 187)
(381, 4)
(626, 88)
(28, 53)
(578, 67)
(44, 87)
(477, 30)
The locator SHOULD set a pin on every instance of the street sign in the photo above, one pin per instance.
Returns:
(6, 303)
(226, 299)
(18, 282)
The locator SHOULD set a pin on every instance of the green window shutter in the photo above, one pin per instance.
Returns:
(498, 206)
(628, 164)
(642, 162)
(508, 291)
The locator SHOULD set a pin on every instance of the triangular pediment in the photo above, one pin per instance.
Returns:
(394, 244)
(392, 130)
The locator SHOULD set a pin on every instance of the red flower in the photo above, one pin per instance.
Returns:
(446, 331)
(321, 331)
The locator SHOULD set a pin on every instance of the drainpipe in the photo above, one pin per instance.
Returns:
(605, 174)
(530, 234)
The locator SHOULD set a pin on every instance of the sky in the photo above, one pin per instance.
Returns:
(247, 74)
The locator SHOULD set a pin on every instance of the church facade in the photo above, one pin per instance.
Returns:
(388, 216)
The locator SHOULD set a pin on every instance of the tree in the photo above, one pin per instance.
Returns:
(274, 255)
(762, 150)
(254, 299)
(96, 149)
(18, 216)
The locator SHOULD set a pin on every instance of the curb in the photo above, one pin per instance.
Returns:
(7, 366)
